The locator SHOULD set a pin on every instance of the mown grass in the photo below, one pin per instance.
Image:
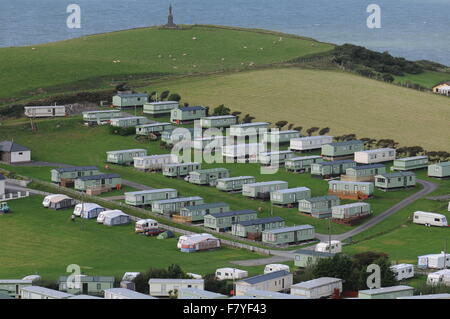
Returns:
(427, 79)
(344, 102)
(88, 62)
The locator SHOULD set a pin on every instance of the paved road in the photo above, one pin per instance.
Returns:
(428, 187)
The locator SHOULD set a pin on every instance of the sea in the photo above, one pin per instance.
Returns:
(414, 29)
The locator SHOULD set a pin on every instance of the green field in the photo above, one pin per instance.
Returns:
(88, 62)
(344, 102)
(427, 79)
(44, 241)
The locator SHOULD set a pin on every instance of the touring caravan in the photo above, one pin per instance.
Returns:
(46, 201)
(434, 261)
(88, 210)
(441, 277)
(143, 225)
(230, 273)
(102, 215)
(403, 271)
(430, 219)
(275, 267)
(334, 247)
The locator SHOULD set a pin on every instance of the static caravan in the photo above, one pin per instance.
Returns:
(195, 293)
(363, 173)
(147, 197)
(125, 157)
(171, 206)
(375, 156)
(263, 189)
(123, 293)
(88, 210)
(116, 218)
(101, 217)
(92, 285)
(434, 261)
(403, 271)
(279, 137)
(104, 181)
(386, 292)
(396, 180)
(129, 121)
(234, 183)
(218, 121)
(333, 168)
(187, 114)
(306, 257)
(264, 294)
(288, 235)
(154, 162)
(180, 134)
(350, 211)
(242, 152)
(159, 108)
(197, 213)
(410, 163)
(351, 190)
(225, 220)
(129, 99)
(45, 111)
(334, 247)
(36, 292)
(308, 143)
(144, 225)
(215, 142)
(301, 164)
(342, 150)
(441, 277)
(69, 174)
(275, 267)
(161, 287)
(290, 196)
(146, 129)
(431, 296)
(278, 281)
(198, 242)
(61, 202)
(100, 117)
(250, 228)
(439, 170)
(230, 273)
(207, 176)
(275, 158)
(430, 219)
(317, 288)
(248, 129)
(318, 207)
(180, 169)
(12, 287)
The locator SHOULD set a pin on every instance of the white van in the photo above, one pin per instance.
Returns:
(47, 199)
(334, 247)
(430, 219)
(275, 267)
(102, 215)
(143, 225)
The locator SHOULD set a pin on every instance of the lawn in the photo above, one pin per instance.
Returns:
(96, 61)
(44, 241)
(427, 79)
(344, 102)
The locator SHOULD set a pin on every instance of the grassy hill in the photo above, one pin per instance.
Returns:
(342, 101)
(88, 62)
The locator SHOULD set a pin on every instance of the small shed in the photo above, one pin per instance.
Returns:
(180, 169)
(125, 157)
(123, 100)
(254, 227)
(289, 196)
(288, 235)
(198, 242)
(275, 157)
(164, 287)
(262, 190)
(342, 150)
(207, 176)
(410, 163)
(218, 121)
(331, 168)
(225, 220)
(440, 170)
(363, 173)
(322, 287)
(88, 210)
(102, 181)
(130, 121)
(197, 213)
(375, 156)
(309, 143)
(147, 197)
(116, 218)
(306, 257)
(160, 108)
(61, 202)
(12, 153)
(234, 183)
(351, 190)
(396, 180)
(45, 111)
(146, 129)
(319, 207)
(386, 292)
(187, 114)
(301, 164)
(174, 205)
(279, 137)
(277, 281)
(248, 129)
(69, 174)
(154, 162)
(123, 293)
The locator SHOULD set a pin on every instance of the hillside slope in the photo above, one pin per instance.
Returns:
(344, 102)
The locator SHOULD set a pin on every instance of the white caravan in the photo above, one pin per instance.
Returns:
(430, 219)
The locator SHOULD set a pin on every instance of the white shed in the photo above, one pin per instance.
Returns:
(11, 153)
(317, 288)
